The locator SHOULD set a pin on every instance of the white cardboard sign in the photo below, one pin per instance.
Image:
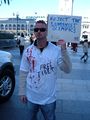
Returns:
(64, 27)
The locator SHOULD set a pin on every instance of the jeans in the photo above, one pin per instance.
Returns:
(21, 47)
(85, 56)
(48, 111)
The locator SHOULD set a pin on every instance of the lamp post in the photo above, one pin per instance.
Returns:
(17, 16)
(27, 27)
(72, 7)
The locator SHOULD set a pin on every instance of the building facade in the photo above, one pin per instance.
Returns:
(85, 28)
(17, 25)
(66, 7)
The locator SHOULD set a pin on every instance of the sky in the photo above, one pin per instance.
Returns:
(41, 7)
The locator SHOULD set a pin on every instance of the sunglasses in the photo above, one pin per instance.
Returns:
(39, 29)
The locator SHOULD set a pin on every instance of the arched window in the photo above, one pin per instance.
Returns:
(18, 27)
(6, 27)
(31, 26)
(10, 27)
(14, 27)
(2, 27)
(22, 27)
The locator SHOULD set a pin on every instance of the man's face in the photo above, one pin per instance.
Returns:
(40, 31)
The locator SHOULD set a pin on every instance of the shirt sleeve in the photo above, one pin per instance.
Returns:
(22, 82)
(24, 66)
(64, 61)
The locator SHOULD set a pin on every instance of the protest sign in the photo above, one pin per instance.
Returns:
(64, 27)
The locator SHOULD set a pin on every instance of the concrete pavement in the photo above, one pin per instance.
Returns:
(73, 92)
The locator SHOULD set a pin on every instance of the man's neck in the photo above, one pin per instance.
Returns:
(41, 43)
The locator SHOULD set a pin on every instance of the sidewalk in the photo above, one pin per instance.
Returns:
(73, 90)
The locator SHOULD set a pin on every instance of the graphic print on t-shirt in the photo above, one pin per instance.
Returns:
(38, 69)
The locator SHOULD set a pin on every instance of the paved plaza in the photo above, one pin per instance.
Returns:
(73, 92)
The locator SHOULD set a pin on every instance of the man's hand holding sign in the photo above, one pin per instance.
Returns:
(62, 43)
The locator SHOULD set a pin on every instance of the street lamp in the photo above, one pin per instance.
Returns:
(72, 7)
(17, 16)
(27, 27)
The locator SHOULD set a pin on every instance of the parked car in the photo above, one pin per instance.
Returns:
(7, 76)
(7, 39)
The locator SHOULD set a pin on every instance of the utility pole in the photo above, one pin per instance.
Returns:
(17, 16)
(72, 7)
(28, 29)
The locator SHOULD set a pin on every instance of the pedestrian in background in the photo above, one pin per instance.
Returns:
(85, 51)
(38, 73)
(74, 47)
(22, 43)
(32, 38)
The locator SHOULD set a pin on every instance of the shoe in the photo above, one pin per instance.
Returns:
(85, 61)
(81, 58)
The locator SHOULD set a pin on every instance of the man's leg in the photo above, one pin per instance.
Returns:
(86, 57)
(48, 111)
(33, 110)
(82, 56)
(22, 49)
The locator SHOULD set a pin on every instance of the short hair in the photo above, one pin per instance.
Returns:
(41, 21)
(22, 35)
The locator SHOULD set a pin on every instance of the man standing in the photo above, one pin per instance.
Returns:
(22, 43)
(38, 71)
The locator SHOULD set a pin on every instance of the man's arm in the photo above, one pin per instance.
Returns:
(66, 64)
(22, 86)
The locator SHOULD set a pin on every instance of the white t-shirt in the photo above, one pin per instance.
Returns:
(42, 73)
(85, 47)
(22, 41)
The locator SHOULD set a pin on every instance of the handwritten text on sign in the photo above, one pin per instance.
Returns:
(64, 27)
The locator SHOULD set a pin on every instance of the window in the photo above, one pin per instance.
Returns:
(22, 27)
(10, 27)
(2, 27)
(14, 27)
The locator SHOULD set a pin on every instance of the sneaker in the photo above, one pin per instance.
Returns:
(81, 58)
(85, 61)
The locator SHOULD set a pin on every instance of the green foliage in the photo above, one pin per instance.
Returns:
(5, 1)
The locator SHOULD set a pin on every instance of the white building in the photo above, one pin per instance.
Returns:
(85, 28)
(17, 25)
(66, 7)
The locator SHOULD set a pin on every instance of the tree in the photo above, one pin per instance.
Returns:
(5, 1)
